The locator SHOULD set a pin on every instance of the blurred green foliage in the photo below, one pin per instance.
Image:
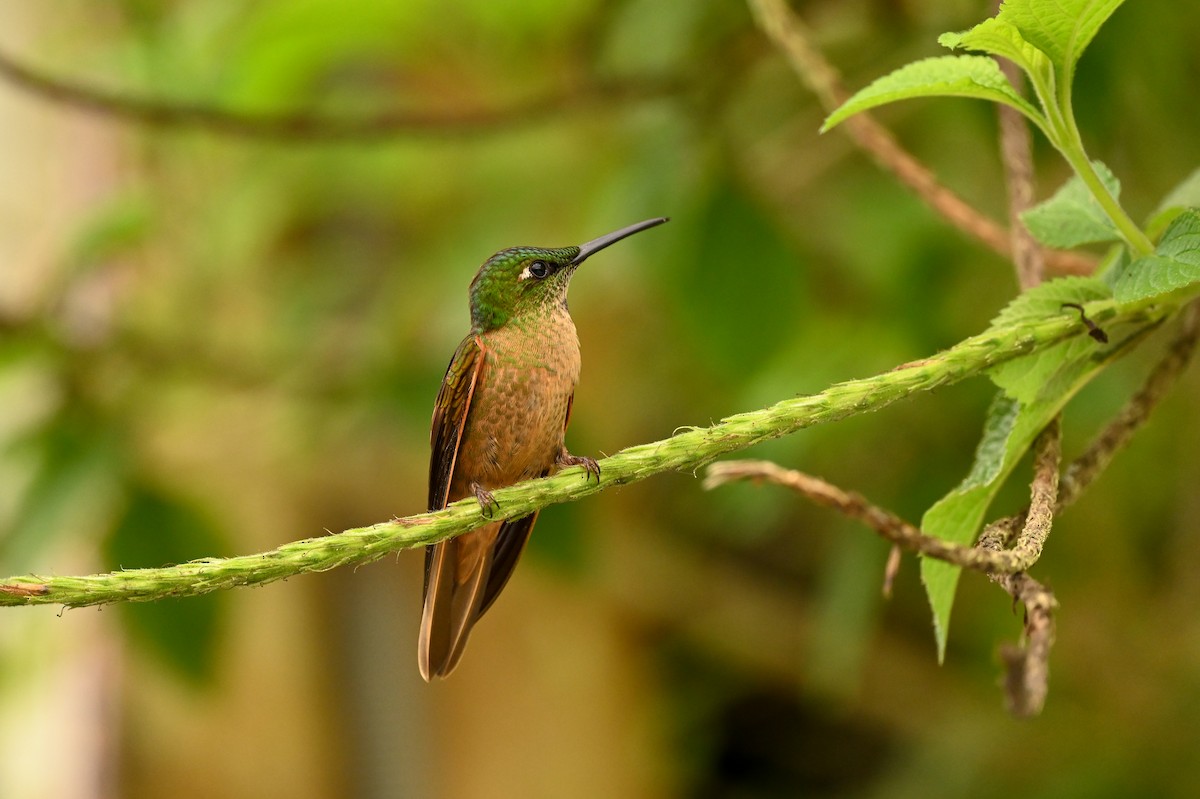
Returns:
(231, 342)
(157, 529)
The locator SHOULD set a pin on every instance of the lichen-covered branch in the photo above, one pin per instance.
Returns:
(687, 450)
(887, 524)
(1027, 664)
(1035, 522)
(1027, 667)
(990, 556)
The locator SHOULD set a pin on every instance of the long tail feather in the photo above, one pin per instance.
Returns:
(457, 574)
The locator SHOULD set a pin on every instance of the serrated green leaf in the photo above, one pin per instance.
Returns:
(989, 454)
(958, 516)
(1062, 29)
(1027, 378)
(158, 529)
(1184, 195)
(1046, 299)
(946, 76)
(1181, 242)
(1174, 265)
(1072, 216)
(999, 38)
(1034, 389)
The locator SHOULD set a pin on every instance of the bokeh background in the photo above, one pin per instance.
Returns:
(212, 344)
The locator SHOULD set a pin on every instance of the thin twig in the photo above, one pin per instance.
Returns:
(791, 35)
(1027, 668)
(1017, 157)
(313, 127)
(884, 522)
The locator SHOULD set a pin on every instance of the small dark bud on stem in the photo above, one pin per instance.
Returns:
(1093, 329)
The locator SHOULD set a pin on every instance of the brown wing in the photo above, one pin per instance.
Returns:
(510, 543)
(452, 588)
(463, 576)
(450, 413)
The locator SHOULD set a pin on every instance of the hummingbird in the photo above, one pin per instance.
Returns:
(500, 418)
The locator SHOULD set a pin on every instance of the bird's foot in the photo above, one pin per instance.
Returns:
(591, 468)
(487, 503)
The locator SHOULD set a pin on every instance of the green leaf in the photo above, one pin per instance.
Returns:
(158, 529)
(1046, 299)
(958, 515)
(946, 76)
(1010, 430)
(1185, 195)
(1072, 216)
(999, 38)
(1026, 379)
(1062, 29)
(1174, 265)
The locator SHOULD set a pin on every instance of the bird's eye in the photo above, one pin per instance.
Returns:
(538, 269)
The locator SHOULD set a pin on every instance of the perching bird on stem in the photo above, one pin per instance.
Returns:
(499, 419)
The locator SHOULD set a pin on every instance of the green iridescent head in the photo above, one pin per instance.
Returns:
(522, 282)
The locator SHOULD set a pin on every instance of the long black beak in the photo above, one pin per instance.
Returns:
(596, 245)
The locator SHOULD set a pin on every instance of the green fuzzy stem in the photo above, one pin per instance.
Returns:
(1137, 240)
(685, 451)
(1069, 142)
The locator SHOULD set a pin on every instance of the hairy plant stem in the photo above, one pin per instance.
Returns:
(1069, 142)
(686, 451)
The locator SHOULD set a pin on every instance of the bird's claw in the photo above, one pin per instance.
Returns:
(590, 467)
(487, 503)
